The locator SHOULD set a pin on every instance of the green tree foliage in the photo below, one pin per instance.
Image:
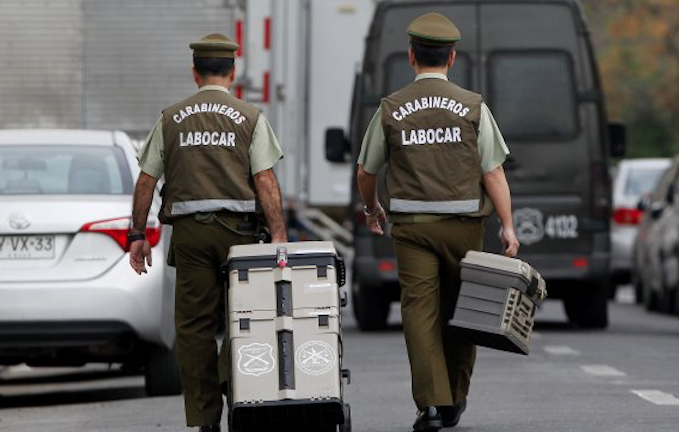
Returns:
(637, 45)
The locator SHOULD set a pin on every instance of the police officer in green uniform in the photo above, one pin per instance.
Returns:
(217, 154)
(443, 154)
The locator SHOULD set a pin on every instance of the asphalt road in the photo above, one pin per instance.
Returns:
(624, 379)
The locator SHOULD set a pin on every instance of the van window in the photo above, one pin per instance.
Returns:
(399, 73)
(532, 94)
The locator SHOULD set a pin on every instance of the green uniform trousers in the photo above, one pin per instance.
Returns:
(200, 248)
(429, 254)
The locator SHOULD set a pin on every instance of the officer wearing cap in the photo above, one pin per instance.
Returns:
(443, 154)
(217, 154)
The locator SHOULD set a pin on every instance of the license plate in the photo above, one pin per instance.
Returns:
(26, 247)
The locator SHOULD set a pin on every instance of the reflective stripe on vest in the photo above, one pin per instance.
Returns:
(211, 205)
(444, 207)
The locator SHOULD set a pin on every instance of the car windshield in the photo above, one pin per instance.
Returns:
(63, 170)
(642, 180)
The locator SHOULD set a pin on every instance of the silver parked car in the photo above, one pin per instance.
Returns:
(634, 179)
(67, 293)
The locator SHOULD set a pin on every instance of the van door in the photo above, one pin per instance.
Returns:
(534, 67)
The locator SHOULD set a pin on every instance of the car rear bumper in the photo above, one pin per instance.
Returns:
(141, 304)
(622, 248)
(60, 334)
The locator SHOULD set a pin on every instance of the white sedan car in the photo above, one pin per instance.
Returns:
(67, 293)
(634, 179)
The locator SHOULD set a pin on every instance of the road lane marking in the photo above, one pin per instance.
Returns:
(561, 350)
(602, 370)
(657, 397)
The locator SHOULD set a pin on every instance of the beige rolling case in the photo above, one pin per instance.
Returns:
(284, 320)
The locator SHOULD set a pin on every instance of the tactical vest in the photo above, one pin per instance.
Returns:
(431, 127)
(207, 164)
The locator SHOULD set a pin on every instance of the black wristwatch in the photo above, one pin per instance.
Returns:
(133, 237)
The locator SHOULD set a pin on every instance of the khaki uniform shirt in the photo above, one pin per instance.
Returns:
(492, 147)
(265, 151)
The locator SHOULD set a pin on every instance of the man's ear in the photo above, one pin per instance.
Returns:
(411, 57)
(451, 58)
(196, 76)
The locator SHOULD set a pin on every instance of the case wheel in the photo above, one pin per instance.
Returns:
(346, 427)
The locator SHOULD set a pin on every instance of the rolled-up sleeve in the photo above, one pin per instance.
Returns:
(492, 147)
(373, 153)
(150, 156)
(265, 151)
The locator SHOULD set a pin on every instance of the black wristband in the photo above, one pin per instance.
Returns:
(133, 237)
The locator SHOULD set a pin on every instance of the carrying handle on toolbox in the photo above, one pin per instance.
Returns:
(533, 287)
(341, 272)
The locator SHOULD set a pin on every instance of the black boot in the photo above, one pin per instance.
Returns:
(429, 419)
(213, 428)
(451, 414)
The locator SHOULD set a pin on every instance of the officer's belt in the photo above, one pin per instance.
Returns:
(239, 223)
(427, 218)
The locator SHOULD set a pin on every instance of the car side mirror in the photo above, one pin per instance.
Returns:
(617, 133)
(336, 145)
(656, 209)
(642, 205)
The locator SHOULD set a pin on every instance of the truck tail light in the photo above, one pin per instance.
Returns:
(386, 266)
(627, 216)
(118, 229)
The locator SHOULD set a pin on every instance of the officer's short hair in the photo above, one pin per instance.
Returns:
(431, 55)
(207, 66)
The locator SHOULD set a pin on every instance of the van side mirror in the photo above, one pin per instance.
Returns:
(617, 133)
(336, 145)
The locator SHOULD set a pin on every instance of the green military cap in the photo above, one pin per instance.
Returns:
(434, 29)
(214, 45)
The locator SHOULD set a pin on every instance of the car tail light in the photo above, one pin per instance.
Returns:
(627, 216)
(118, 229)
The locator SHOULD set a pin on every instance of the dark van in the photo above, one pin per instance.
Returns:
(532, 61)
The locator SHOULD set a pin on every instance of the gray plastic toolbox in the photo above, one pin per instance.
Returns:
(284, 324)
(498, 300)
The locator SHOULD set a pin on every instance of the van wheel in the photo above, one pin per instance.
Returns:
(587, 306)
(371, 307)
(162, 372)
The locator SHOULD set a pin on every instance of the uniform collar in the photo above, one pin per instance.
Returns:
(213, 87)
(431, 75)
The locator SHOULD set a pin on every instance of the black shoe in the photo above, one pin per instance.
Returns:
(213, 428)
(451, 414)
(429, 419)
